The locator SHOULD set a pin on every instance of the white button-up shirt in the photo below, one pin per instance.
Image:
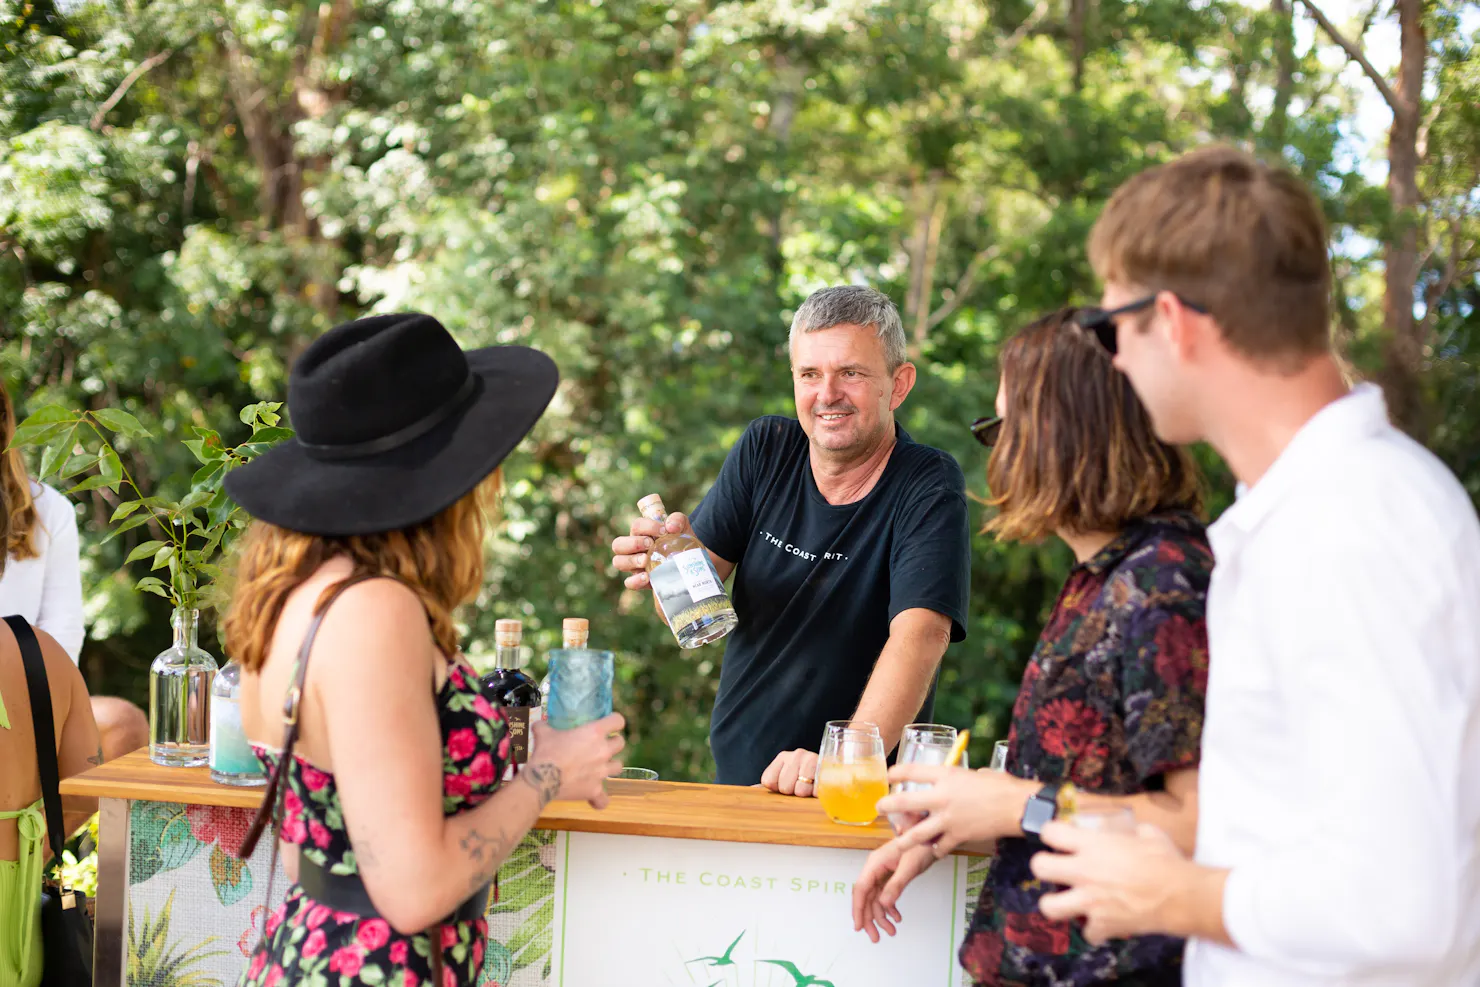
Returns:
(1340, 775)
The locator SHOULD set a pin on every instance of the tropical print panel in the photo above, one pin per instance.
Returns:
(196, 910)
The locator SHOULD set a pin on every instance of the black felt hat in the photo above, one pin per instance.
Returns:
(393, 423)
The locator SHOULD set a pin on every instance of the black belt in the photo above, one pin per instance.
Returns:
(346, 893)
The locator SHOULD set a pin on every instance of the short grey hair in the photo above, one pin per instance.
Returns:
(857, 305)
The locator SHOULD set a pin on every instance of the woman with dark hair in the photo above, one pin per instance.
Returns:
(1109, 714)
(385, 753)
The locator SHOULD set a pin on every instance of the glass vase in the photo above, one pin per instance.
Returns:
(180, 682)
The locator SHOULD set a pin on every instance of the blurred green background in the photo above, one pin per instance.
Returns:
(191, 190)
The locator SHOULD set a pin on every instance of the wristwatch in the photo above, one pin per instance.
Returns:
(1041, 808)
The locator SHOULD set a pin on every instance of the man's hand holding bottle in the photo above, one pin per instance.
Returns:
(630, 552)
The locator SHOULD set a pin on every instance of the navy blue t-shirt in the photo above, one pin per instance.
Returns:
(817, 584)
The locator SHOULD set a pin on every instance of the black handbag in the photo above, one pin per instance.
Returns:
(66, 923)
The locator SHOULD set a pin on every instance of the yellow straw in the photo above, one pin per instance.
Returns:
(959, 749)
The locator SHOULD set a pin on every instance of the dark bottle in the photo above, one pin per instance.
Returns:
(513, 688)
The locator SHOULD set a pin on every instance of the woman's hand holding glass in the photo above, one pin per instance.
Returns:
(922, 743)
(964, 806)
(574, 764)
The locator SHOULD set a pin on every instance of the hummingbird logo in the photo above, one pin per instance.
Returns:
(801, 979)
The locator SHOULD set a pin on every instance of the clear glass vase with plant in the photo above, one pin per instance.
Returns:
(190, 535)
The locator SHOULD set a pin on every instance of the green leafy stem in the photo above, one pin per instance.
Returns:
(193, 530)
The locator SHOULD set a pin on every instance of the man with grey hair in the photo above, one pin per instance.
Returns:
(850, 548)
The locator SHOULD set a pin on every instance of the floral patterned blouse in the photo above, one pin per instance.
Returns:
(308, 943)
(1111, 700)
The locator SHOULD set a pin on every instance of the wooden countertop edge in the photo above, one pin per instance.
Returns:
(677, 810)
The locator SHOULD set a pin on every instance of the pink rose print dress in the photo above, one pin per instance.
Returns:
(306, 943)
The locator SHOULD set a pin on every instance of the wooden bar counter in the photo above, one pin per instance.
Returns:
(672, 883)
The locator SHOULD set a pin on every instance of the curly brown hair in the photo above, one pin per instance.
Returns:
(17, 507)
(439, 559)
(1077, 451)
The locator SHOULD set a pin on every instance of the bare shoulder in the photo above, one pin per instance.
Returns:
(60, 671)
(377, 625)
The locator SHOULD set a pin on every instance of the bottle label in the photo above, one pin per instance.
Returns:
(697, 573)
(712, 607)
(521, 738)
(519, 718)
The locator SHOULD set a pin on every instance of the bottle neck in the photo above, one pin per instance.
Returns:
(187, 626)
(506, 657)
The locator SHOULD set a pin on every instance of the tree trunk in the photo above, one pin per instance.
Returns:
(1284, 86)
(1405, 348)
(922, 252)
(268, 120)
(1078, 16)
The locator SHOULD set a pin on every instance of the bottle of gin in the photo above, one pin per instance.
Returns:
(514, 689)
(232, 760)
(686, 588)
(180, 697)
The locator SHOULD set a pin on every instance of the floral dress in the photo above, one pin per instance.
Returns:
(306, 943)
(1111, 700)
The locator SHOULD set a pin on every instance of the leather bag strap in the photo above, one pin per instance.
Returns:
(45, 728)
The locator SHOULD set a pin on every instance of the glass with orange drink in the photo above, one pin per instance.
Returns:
(851, 772)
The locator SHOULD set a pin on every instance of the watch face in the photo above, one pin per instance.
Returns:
(1039, 811)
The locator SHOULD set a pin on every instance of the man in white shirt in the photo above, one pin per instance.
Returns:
(1338, 839)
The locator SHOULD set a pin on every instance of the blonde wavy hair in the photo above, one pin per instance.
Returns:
(439, 559)
(15, 489)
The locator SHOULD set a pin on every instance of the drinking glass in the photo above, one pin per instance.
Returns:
(999, 756)
(851, 773)
(921, 743)
(636, 774)
(580, 687)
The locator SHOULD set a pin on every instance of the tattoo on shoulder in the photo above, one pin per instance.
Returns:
(543, 778)
(97, 758)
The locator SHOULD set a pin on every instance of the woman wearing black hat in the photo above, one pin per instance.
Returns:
(385, 756)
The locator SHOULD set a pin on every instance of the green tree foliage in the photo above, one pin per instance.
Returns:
(190, 191)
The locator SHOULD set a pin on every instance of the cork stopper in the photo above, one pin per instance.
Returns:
(575, 632)
(651, 507)
(508, 633)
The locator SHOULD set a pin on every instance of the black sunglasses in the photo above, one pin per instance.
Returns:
(985, 430)
(1101, 321)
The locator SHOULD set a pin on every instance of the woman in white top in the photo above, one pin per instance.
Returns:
(41, 582)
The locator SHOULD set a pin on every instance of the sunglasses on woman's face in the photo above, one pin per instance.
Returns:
(1101, 321)
(985, 430)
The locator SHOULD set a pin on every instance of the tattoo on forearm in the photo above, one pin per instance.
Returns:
(98, 757)
(486, 853)
(543, 778)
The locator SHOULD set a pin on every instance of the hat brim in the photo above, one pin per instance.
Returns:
(292, 488)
